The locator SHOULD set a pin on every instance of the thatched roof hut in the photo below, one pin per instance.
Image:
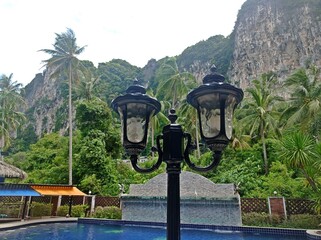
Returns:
(10, 171)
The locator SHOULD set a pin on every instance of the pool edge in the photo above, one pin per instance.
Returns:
(309, 234)
(313, 234)
(29, 222)
(246, 229)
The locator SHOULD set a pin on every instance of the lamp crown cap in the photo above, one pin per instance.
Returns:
(136, 88)
(213, 77)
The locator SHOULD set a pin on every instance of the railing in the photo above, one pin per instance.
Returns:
(254, 205)
(12, 206)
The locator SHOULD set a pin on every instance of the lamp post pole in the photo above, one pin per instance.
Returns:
(215, 102)
(173, 139)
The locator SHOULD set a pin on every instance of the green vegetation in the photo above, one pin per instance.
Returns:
(76, 210)
(10, 116)
(11, 209)
(116, 76)
(259, 114)
(99, 144)
(217, 50)
(40, 209)
(107, 212)
(46, 161)
(302, 221)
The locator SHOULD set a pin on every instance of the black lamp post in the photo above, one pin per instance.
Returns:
(215, 102)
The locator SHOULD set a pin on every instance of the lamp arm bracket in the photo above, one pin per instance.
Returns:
(216, 157)
(134, 160)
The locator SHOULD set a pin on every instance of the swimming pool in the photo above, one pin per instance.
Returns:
(89, 231)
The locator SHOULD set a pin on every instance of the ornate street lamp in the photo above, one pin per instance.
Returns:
(215, 102)
(135, 109)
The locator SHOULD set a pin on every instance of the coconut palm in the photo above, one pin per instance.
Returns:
(64, 62)
(158, 119)
(10, 102)
(305, 101)
(173, 83)
(188, 115)
(87, 87)
(259, 112)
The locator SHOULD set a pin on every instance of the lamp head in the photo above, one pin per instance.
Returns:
(215, 102)
(135, 109)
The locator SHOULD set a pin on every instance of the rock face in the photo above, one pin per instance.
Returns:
(45, 104)
(275, 35)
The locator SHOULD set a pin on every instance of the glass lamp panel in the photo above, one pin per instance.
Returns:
(229, 110)
(136, 122)
(120, 111)
(209, 108)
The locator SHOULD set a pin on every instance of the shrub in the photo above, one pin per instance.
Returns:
(40, 209)
(107, 212)
(261, 219)
(256, 219)
(11, 209)
(304, 221)
(76, 210)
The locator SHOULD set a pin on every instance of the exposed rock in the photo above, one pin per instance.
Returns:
(274, 36)
(45, 103)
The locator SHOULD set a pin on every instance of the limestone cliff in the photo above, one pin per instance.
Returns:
(46, 107)
(275, 35)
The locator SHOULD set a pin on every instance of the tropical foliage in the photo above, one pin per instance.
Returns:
(10, 102)
(259, 114)
(99, 144)
(304, 105)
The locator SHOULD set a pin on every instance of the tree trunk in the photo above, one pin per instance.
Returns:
(2, 136)
(70, 127)
(310, 180)
(266, 163)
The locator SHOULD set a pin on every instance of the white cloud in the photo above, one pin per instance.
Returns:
(135, 31)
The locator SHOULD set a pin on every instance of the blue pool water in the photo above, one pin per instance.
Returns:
(80, 231)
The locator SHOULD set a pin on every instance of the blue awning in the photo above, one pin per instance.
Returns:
(14, 190)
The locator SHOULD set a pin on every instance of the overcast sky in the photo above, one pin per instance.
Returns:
(135, 31)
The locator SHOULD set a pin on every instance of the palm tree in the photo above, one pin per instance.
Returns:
(189, 116)
(305, 101)
(87, 87)
(259, 111)
(10, 101)
(174, 84)
(299, 151)
(64, 61)
(158, 119)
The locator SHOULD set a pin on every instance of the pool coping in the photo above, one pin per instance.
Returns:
(314, 234)
(245, 229)
(29, 222)
(310, 234)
